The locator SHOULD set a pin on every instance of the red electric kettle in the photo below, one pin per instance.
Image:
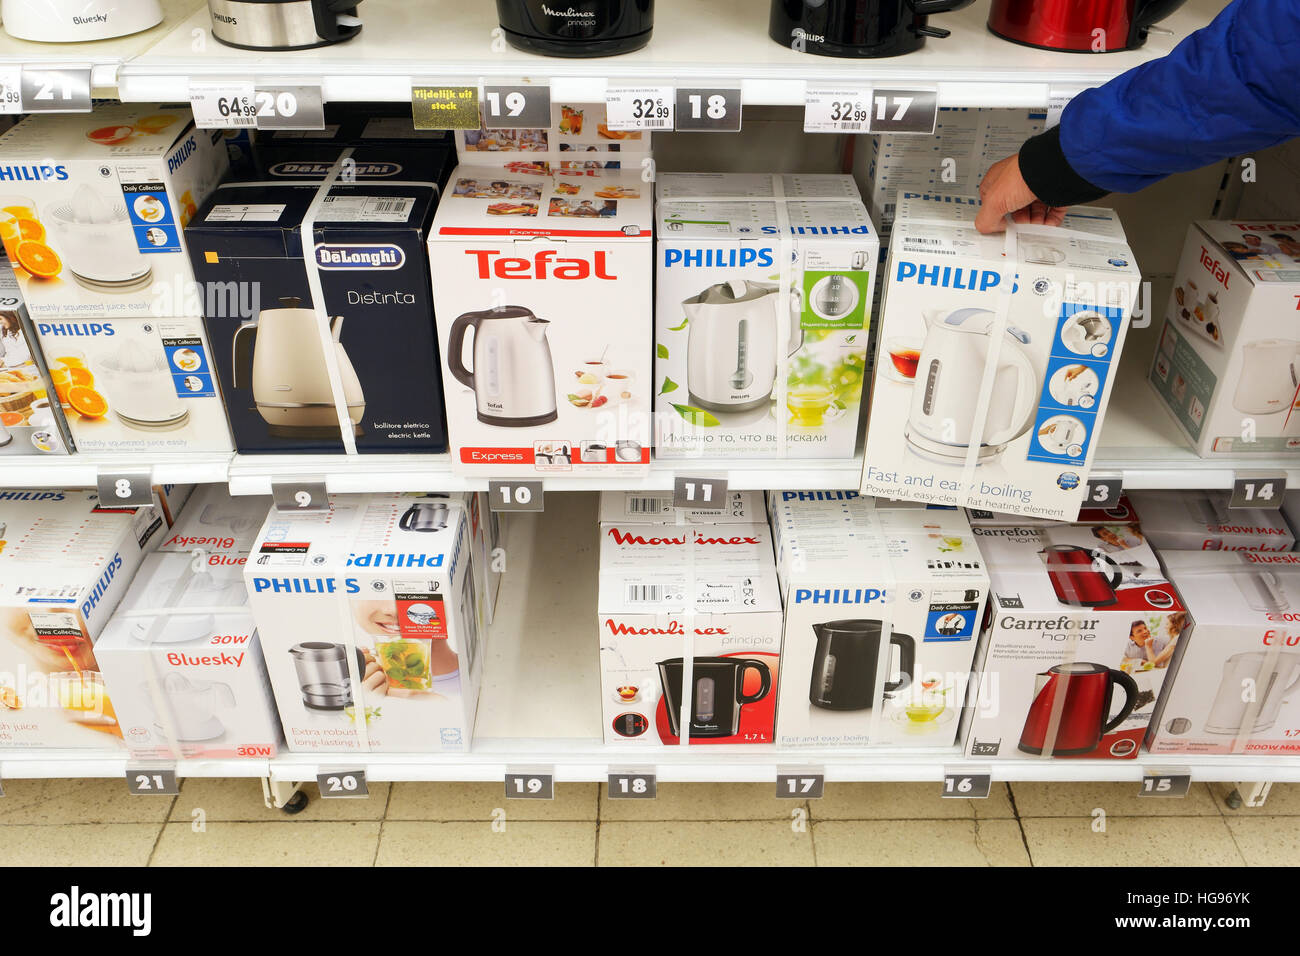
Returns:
(1087, 690)
(1082, 578)
(1078, 26)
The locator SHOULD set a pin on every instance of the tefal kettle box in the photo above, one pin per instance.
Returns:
(882, 615)
(1202, 521)
(763, 311)
(656, 507)
(92, 208)
(1081, 630)
(31, 421)
(1233, 688)
(1228, 363)
(318, 307)
(693, 606)
(996, 357)
(367, 619)
(65, 563)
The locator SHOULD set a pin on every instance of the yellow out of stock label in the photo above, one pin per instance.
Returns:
(445, 107)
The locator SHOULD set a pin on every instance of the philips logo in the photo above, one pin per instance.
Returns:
(949, 277)
(935, 197)
(378, 560)
(225, 18)
(31, 496)
(819, 495)
(74, 328)
(716, 258)
(838, 595)
(821, 230)
(101, 586)
(315, 170)
(32, 173)
(181, 153)
(303, 585)
(378, 256)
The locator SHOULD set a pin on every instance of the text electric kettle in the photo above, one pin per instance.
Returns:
(1269, 381)
(513, 379)
(1081, 693)
(717, 695)
(1082, 578)
(1249, 677)
(846, 660)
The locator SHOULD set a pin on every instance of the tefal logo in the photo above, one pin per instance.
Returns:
(627, 537)
(619, 629)
(1214, 267)
(546, 264)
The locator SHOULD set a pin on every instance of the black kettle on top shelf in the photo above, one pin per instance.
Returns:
(857, 28)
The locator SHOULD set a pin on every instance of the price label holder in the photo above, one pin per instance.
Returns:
(1103, 491)
(648, 108)
(152, 781)
(342, 784)
(708, 109)
(800, 783)
(529, 785)
(517, 106)
(223, 104)
(1166, 782)
(446, 106)
(1261, 489)
(1058, 98)
(697, 493)
(904, 111)
(966, 783)
(305, 497)
(633, 785)
(63, 90)
(124, 489)
(11, 88)
(516, 496)
(838, 109)
(282, 106)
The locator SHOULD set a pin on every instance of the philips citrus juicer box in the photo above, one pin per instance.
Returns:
(368, 624)
(996, 357)
(1081, 632)
(763, 312)
(656, 507)
(703, 594)
(31, 420)
(882, 617)
(93, 207)
(1228, 363)
(1202, 521)
(286, 267)
(1234, 687)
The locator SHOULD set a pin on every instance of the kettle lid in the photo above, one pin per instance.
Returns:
(511, 312)
(737, 290)
(318, 651)
(1077, 668)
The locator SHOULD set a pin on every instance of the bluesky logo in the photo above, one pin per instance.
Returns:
(714, 257)
(341, 257)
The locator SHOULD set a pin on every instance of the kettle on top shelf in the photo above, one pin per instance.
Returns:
(1097, 26)
(283, 24)
(857, 28)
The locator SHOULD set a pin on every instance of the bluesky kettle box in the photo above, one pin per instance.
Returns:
(993, 374)
(763, 311)
(1228, 362)
(367, 262)
(368, 622)
(31, 417)
(1202, 521)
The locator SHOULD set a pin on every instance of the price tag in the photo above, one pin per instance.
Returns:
(904, 111)
(515, 496)
(342, 784)
(530, 786)
(11, 89)
(132, 489)
(836, 110)
(708, 110)
(966, 784)
(56, 91)
(526, 106)
(639, 107)
(445, 107)
(633, 786)
(1258, 491)
(1103, 492)
(1057, 101)
(800, 786)
(289, 107)
(145, 782)
(1162, 784)
(699, 493)
(227, 104)
(303, 496)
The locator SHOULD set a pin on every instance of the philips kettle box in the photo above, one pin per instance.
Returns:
(1202, 521)
(94, 204)
(1081, 630)
(31, 421)
(706, 594)
(1233, 687)
(763, 311)
(1228, 363)
(368, 622)
(882, 615)
(737, 507)
(992, 375)
(285, 390)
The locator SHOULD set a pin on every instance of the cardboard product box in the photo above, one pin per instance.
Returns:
(369, 626)
(1202, 521)
(988, 399)
(1229, 354)
(239, 150)
(1291, 509)
(882, 617)
(217, 523)
(102, 198)
(65, 563)
(382, 147)
(31, 423)
(577, 140)
(487, 532)
(656, 507)
(1081, 632)
(1122, 513)
(755, 357)
(368, 267)
(1231, 687)
(703, 593)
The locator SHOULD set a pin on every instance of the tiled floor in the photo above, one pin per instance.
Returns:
(223, 822)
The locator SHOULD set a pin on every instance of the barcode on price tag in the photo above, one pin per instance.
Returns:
(228, 104)
(838, 110)
(11, 86)
(639, 107)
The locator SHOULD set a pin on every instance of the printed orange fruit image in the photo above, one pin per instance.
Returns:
(38, 259)
(10, 419)
(109, 135)
(81, 376)
(9, 698)
(31, 229)
(87, 402)
(155, 123)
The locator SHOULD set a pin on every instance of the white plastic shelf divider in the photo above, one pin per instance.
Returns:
(82, 471)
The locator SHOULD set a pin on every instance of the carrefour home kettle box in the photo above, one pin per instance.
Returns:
(763, 310)
(1228, 363)
(368, 623)
(996, 357)
(317, 304)
(92, 208)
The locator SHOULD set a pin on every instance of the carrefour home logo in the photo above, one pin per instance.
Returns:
(377, 256)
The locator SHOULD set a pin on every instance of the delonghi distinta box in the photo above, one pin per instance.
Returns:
(1228, 362)
(763, 289)
(706, 594)
(655, 507)
(31, 422)
(380, 147)
(1081, 631)
(993, 373)
(367, 617)
(882, 615)
(1202, 521)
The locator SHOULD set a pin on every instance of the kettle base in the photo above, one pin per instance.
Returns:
(1066, 49)
(942, 454)
(576, 48)
(827, 705)
(1059, 752)
(114, 285)
(507, 422)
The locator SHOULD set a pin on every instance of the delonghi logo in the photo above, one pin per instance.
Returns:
(74, 328)
(317, 170)
(32, 173)
(93, 18)
(377, 256)
(378, 560)
(101, 586)
(715, 258)
(838, 595)
(31, 496)
(75, 908)
(181, 153)
(950, 277)
(569, 14)
(303, 585)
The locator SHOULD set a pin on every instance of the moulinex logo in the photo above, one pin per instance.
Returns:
(379, 256)
(569, 14)
(626, 537)
(618, 629)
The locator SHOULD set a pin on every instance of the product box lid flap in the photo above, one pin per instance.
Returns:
(741, 507)
(1238, 588)
(758, 206)
(172, 582)
(282, 205)
(217, 522)
(1262, 251)
(1207, 513)
(113, 131)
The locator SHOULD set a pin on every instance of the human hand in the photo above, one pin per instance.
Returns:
(1003, 190)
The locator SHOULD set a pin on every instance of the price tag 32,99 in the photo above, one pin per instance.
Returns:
(838, 110)
(228, 104)
(640, 107)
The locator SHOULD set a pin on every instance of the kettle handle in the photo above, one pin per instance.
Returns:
(406, 520)
(764, 675)
(906, 662)
(456, 346)
(1099, 561)
(1022, 412)
(242, 354)
(1130, 699)
(796, 321)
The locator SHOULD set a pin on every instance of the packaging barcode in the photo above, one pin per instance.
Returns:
(647, 506)
(388, 205)
(654, 123)
(645, 593)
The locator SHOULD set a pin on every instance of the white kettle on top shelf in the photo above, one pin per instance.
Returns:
(72, 21)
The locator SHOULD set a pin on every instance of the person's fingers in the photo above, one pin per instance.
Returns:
(1056, 215)
(1021, 216)
(988, 219)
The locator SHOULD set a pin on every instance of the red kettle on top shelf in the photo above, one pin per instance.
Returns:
(1087, 689)
(1082, 578)
(1078, 26)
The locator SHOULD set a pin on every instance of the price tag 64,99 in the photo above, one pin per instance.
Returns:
(837, 110)
(11, 89)
(228, 104)
(342, 783)
(640, 107)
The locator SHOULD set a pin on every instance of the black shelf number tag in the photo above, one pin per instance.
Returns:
(1258, 491)
(696, 494)
(1103, 492)
(904, 111)
(708, 110)
(289, 107)
(128, 489)
(151, 782)
(305, 497)
(524, 106)
(342, 784)
(800, 786)
(965, 785)
(530, 786)
(516, 496)
(1158, 784)
(633, 786)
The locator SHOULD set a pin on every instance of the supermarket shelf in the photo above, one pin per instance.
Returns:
(82, 471)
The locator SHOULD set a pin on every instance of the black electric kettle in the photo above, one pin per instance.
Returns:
(857, 28)
(846, 660)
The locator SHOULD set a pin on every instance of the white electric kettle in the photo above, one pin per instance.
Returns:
(941, 423)
(193, 706)
(69, 21)
(1246, 673)
(513, 379)
(1270, 376)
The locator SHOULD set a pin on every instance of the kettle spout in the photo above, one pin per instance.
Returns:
(537, 328)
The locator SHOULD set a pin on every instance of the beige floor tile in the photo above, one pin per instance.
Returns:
(906, 801)
(473, 802)
(1131, 841)
(702, 801)
(525, 843)
(716, 843)
(290, 843)
(1283, 801)
(1266, 841)
(123, 844)
(78, 801)
(241, 799)
(919, 843)
(1078, 799)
